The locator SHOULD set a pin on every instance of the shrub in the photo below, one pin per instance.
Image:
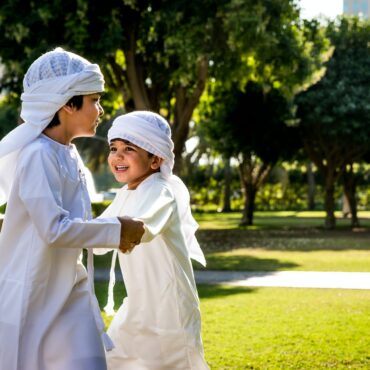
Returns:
(99, 207)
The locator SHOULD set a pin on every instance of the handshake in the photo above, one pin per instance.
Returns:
(131, 233)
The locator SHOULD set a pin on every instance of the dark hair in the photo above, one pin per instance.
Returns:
(75, 101)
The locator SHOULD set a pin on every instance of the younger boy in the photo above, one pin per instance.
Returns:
(158, 325)
(49, 316)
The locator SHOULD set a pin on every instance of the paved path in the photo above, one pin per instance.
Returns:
(294, 279)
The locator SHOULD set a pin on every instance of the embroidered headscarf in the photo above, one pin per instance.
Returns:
(49, 83)
(151, 132)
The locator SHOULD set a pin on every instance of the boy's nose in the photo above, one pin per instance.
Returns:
(101, 110)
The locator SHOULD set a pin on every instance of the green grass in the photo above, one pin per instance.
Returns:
(279, 241)
(279, 328)
(284, 241)
(262, 260)
(275, 328)
(264, 220)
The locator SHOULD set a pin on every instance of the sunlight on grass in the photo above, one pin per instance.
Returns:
(279, 243)
(263, 220)
(255, 259)
(280, 328)
(276, 328)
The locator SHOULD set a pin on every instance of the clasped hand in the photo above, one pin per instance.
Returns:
(131, 233)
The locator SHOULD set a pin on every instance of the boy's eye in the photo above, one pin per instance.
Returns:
(112, 149)
(130, 149)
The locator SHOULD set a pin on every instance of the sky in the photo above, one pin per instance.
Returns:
(314, 8)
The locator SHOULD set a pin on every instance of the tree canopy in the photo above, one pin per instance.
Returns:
(251, 125)
(158, 55)
(335, 113)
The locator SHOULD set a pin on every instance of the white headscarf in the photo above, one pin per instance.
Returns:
(49, 83)
(151, 132)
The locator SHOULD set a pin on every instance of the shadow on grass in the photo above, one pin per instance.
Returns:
(217, 291)
(284, 239)
(247, 263)
(204, 291)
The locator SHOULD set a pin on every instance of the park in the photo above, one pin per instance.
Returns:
(270, 120)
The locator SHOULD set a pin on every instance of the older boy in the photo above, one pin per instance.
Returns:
(49, 316)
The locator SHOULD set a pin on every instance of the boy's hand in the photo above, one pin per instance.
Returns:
(131, 233)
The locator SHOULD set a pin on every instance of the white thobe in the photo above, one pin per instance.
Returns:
(48, 315)
(158, 325)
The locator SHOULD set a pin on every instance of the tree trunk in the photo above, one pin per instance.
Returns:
(352, 201)
(349, 183)
(329, 200)
(249, 204)
(227, 186)
(184, 107)
(252, 176)
(311, 187)
(135, 79)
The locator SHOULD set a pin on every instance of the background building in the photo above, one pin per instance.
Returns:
(357, 7)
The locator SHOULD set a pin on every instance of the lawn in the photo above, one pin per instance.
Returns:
(278, 219)
(280, 241)
(280, 328)
(276, 328)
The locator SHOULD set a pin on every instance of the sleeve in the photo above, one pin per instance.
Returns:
(155, 206)
(112, 211)
(40, 189)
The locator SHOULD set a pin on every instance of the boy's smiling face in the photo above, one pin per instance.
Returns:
(131, 164)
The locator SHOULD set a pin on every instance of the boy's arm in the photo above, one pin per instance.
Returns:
(41, 195)
(155, 207)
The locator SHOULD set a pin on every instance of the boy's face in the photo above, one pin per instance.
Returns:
(86, 119)
(131, 164)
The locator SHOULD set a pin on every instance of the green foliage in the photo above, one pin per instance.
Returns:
(277, 197)
(157, 55)
(99, 207)
(8, 116)
(169, 38)
(3, 208)
(251, 121)
(334, 113)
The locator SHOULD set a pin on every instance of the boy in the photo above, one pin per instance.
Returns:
(158, 324)
(49, 316)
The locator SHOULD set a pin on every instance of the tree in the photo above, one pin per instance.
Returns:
(311, 187)
(251, 125)
(8, 116)
(349, 186)
(290, 59)
(157, 54)
(335, 113)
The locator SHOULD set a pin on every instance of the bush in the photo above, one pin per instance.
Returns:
(2, 208)
(99, 207)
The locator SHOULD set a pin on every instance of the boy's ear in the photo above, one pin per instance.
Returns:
(68, 109)
(156, 162)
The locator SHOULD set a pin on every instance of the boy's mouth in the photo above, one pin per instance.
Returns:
(121, 168)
